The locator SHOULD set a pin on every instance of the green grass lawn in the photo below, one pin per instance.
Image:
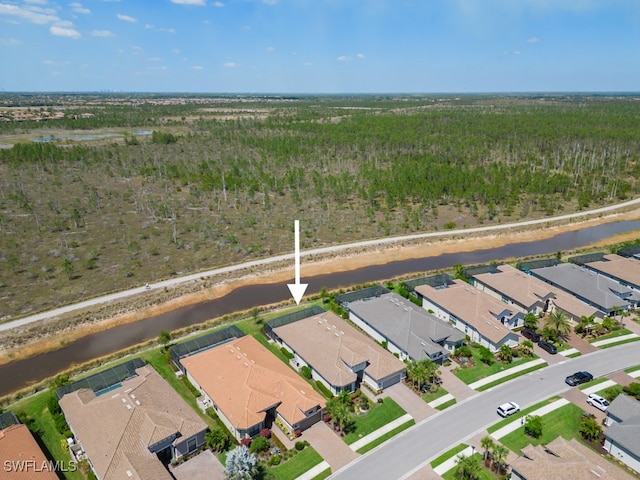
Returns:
(440, 459)
(431, 396)
(481, 370)
(323, 475)
(632, 369)
(505, 421)
(380, 440)
(296, 466)
(35, 407)
(614, 334)
(510, 377)
(376, 418)
(448, 404)
(484, 474)
(592, 383)
(564, 421)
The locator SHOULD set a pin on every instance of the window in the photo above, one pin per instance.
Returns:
(191, 444)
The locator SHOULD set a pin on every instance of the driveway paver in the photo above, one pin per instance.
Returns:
(409, 401)
(329, 445)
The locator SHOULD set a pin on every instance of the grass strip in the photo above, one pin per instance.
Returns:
(511, 377)
(522, 413)
(380, 440)
(445, 405)
(448, 454)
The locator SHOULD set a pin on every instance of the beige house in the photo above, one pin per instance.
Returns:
(564, 460)
(530, 294)
(130, 430)
(250, 388)
(337, 354)
(483, 318)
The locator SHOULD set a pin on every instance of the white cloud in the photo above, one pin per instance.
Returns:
(343, 58)
(33, 14)
(534, 40)
(218, 4)
(231, 65)
(10, 42)
(36, 2)
(148, 26)
(270, 49)
(154, 59)
(197, 3)
(177, 51)
(78, 8)
(307, 64)
(102, 33)
(517, 52)
(360, 56)
(126, 18)
(137, 50)
(197, 67)
(166, 30)
(64, 32)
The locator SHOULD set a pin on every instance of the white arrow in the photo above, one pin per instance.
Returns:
(297, 289)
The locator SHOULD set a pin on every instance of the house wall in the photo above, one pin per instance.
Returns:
(181, 448)
(377, 336)
(386, 382)
(622, 454)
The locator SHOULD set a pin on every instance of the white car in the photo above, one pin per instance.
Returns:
(597, 401)
(508, 409)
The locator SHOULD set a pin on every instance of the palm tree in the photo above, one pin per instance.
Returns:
(499, 453)
(590, 429)
(467, 467)
(531, 321)
(527, 347)
(558, 321)
(487, 443)
(505, 353)
(241, 464)
(217, 439)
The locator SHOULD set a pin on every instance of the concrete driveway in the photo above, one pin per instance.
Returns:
(411, 402)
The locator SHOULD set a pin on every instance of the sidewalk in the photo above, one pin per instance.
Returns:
(513, 426)
(506, 373)
(609, 341)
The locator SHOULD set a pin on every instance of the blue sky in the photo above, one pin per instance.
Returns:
(320, 46)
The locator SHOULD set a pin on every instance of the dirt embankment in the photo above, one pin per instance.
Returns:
(48, 335)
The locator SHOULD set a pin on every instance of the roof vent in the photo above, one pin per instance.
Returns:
(128, 407)
(137, 402)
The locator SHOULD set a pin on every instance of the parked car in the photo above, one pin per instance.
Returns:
(549, 347)
(597, 401)
(508, 409)
(578, 378)
(531, 335)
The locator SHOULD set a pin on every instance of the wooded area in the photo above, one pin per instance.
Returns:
(221, 179)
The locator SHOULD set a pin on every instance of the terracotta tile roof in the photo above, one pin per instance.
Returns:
(116, 428)
(330, 345)
(530, 291)
(572, 461)
(18, 445)
(244, 379)
(472, 306)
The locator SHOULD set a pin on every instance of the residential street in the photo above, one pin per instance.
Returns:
(414, 448)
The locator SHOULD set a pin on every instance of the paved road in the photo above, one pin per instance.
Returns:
(414, 448)
(317, 251)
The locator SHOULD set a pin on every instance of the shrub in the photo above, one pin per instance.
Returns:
(300, 445)
(246, 441)
(259, 445)
(286, 353)
(306, 372)
(297, 433)
(265, 432)
(275, 460)
(533, 426)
